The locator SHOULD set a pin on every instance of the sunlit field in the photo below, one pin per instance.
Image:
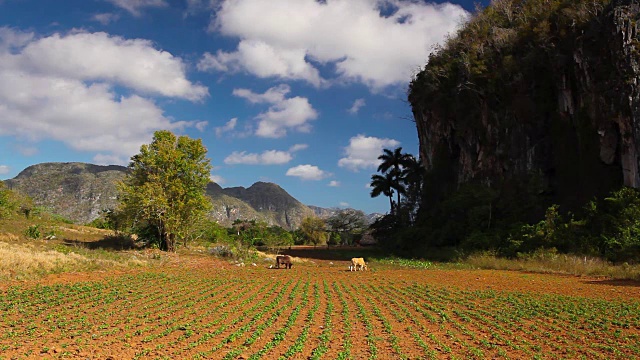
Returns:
(197, 306)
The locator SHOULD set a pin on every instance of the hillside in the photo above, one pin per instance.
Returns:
(535, 101)
(80, 192)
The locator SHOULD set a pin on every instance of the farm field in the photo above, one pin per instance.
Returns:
(199, 307)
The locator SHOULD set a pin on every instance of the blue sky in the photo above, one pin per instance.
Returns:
(302, 93)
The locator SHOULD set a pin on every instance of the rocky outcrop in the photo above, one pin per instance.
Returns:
(75, 191)
(553, 107)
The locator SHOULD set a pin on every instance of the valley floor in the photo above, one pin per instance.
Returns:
(197, 306)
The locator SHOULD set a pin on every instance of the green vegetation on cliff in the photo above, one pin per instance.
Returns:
(524, 117)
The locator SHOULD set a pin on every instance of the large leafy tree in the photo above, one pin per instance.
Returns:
(347, 222)
(314, 230)
(165, 189)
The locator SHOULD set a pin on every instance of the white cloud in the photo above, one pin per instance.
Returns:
(228, 126)
(106, 18)
(307, 172)
(102, 57)
(375, 42)
(269, 157)
(363, 152)
(343, 204)
(4, 169)
(356, 106)
(298, 147)
(264, 61)
(106, 159)
(284, 113)
(334, 183)
(48, 91)
(135, 6)
(201, 125)
(217, 179)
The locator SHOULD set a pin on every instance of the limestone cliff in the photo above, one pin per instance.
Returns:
(535, 94)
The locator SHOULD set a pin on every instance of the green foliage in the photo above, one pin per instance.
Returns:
(609, 228)
(399, 172)
(11, 202)
(33, 232)
(344, 224)
(314, 230)
(108, 220)
(166, 187)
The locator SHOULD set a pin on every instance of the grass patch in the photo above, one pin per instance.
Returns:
(550, 262)
(407, 263)
(31, 261)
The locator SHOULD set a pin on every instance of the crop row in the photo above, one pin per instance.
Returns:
(285, 314)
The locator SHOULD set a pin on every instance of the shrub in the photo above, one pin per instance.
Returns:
(33, 232)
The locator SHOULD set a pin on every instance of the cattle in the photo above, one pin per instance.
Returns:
(283, 260)
(358, 264)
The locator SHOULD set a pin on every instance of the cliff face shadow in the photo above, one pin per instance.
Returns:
(337, 253)
(114, 243)
(615, 282)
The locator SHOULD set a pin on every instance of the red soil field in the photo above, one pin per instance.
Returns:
(201, 307)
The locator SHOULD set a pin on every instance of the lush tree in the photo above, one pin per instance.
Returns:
(165, 188)
(314, 230)
(383, 184)
(7, 204)
(347, 222)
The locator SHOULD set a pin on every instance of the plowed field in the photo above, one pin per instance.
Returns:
(199, 307)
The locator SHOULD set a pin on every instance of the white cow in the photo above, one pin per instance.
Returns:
(358, 264)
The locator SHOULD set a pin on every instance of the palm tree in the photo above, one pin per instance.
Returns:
(413, 178)
(383, 184)
(392, 163)
(393, 159)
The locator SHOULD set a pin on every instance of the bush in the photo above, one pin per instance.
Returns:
(33, 232)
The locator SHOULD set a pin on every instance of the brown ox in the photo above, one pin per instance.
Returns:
(358, 264)
(283, 260)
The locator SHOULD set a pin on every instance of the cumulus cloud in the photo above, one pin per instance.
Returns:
(228, 126)
(284, 113)
(269, 157)
(356, 106)
(217, 179)
(308, 172)
(363, 152)
(132, 63)
(334, 183)
(61, 88)
(4, 169)
(135, 6)
(106, 159)
(378, 43)
(263, 61)
(298, 147)
(106, 18)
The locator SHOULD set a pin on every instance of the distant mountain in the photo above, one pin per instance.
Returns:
(80, 192)
(76, 191)
(325, 213)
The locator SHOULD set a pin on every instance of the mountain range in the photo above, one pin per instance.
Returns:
(81, 191)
